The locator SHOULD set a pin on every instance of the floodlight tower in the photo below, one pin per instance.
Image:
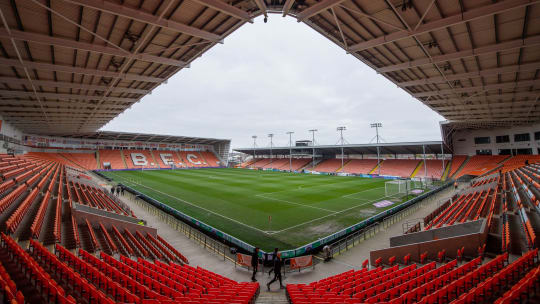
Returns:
(271, 145)
(377, 125)
(341, 129)
(254, 144)
(313, 145)
(290, 149)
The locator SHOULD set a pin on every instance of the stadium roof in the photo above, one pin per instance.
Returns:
(109, 135)
(74, 65)
(432, 147)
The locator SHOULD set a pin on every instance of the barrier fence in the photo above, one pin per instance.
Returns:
(217, 241)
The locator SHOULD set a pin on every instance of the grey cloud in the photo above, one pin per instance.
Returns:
(275, 77)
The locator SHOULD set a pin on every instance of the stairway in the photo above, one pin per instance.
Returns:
(344, 164)
(97, 159)
(67, 234)
(271, 297)
(123, 158)
(446, 170)
(461, 167)
(154, 159)
(376, 167)
(103, 244)
(86, 242)
(418, 167)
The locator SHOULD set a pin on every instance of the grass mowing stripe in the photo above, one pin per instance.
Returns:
(234, 200)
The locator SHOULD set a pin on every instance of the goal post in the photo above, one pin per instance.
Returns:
(396, 188)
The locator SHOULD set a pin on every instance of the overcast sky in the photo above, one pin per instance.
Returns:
(277, 77)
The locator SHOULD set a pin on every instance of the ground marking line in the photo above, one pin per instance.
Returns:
(337, 212)
(179, 199)
(313, 186)
(280, 200)
(347, 196)
(263, 231)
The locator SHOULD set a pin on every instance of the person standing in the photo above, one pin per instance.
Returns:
(277, 272)
(255, 263)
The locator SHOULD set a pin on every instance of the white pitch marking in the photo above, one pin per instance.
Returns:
(362, 191)
(280, 200)
(337, 212)
(194, 205)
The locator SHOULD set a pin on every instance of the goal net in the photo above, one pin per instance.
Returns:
(396, 188)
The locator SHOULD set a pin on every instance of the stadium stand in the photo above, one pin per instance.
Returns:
(86, 161)
(192, 159)
(480, 164)
(471, 282)
(328, 165)
(297, 164)
(67, 278)
(398, 167)
(518, 161)
(210, 158)
(276, 163)
(359, 166)
(434, 169)
(114, 157)
(137, 159)
(457, 162)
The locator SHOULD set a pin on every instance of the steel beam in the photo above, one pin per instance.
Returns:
(481, 98)
(225, 8)
(491, 105)
(262, 6)
(505, 85)
(54, 103)
(487, 72)
(84, 46)
(8, 93)
(498, 112)
(316, 8)
(145, 17)
(68, 85)
(470, 15)
(492, 48)
(287, 7)
(76, 70)
(5, 109)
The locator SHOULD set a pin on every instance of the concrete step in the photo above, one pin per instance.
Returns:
(276, 296)
(272, 300)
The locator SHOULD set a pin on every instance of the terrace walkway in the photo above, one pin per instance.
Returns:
(352, 258)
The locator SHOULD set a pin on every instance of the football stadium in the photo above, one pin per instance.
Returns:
(95, 216)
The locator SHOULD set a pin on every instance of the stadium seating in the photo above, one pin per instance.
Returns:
(471, 282)
(359, 166)
(457, 162)
(435, 169)
(260, 163)
(137, 159)
(114, 157)
(86, 161)
(328, 165)
(518, 161)
(297, 164)
(276, 163)
(398, 167)
(480, 164)
(193, 159)
(211, 159)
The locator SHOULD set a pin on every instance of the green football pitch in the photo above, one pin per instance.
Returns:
(263, 208)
